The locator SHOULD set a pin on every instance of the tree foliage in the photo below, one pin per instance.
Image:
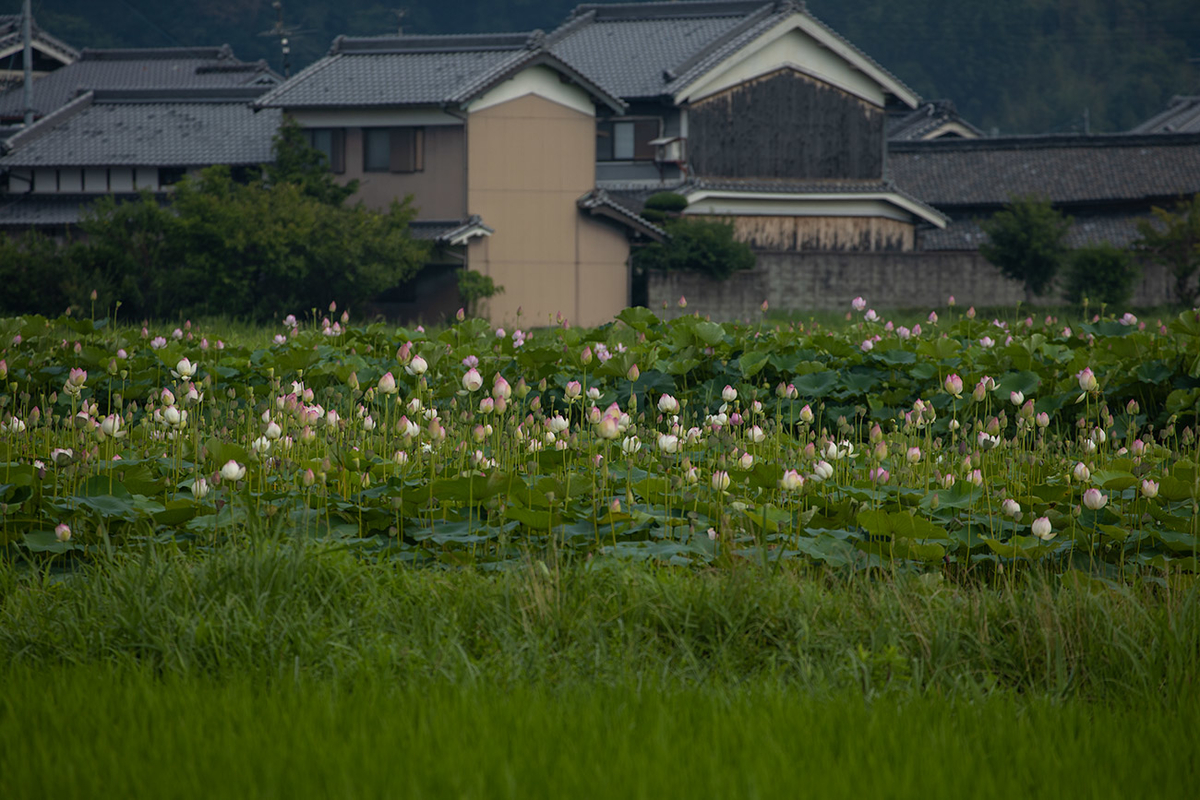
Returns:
(1026, 242)
(216, 246)
(1101, 273)
(697, 245)
(1173, 239)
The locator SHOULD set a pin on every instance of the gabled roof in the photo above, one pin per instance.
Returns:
(399, 71)
(651, 50)
(449, 232)
(174, 68)
(599, 203)
(105, 129)
(930, 120)
(1181, 116)
(831, 191)
(1067, 169)
(10, 40)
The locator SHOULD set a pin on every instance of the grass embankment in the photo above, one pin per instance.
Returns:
(285, 669)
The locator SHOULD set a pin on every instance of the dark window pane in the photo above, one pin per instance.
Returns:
(604, 141)
(377, 149)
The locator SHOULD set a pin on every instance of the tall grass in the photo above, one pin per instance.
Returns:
(276, 609)
(103, 732)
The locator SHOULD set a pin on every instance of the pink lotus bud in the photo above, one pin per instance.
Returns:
(633, 374)
(682, 301)
(472, 380)
(1094, 499)
(879, 475)
(858, 304)
(574, 390)
(954, 385)
(1149, 489)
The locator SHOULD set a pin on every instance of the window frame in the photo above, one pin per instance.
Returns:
(405, 154)
(642, 150)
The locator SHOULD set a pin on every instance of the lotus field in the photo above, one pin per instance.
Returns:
(962, 444)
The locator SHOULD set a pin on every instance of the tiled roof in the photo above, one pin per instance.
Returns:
(147, 68)
(21, 211)
(831, 187)
(965, 234)
(926, 119)
(140, 131)
(644, 50)
(600, 202)
(10, 34)
(419, 70)
(449, 231)
(1067, 169)
(1181, 116)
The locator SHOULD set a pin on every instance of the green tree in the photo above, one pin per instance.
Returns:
(1101, 273)
(1172, 238)
(299, 163)
(1025, 241)
(699, 245)
(475, 287)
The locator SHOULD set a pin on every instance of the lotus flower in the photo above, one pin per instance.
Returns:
(232, 471)
(1042, 529)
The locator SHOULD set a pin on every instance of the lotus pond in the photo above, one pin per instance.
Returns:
(960, 444)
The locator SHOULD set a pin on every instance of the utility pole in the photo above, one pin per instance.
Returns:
(27, 39)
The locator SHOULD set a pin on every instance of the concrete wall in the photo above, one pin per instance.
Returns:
(829, 281)
(531, 158)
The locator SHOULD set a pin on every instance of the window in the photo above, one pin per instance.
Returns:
(331, 142)
(393, 149)
(626, 140)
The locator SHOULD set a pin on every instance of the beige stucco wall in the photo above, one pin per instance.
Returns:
(530, 160)
(439, 191)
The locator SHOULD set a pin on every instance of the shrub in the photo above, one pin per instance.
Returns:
(1025, 241)
(1101, 273)
(663, 206)
(1173, 239)
(474, 287)
(699, 245)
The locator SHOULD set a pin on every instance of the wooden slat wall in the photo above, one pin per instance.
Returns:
(786, 125)
(792, 234)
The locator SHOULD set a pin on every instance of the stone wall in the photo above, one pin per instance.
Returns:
(829, 281)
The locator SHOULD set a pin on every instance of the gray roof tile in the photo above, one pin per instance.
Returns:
(1067, 169)
(965, 234)
(10, 34)
(391, 71)
(925, 119)
(147, 68)
(643, 50)
(631, 47)
(23, 211)
(1181, 116)
(122, 133)
(397, 71)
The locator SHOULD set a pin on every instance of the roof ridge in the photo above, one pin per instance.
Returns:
(199, 94)
(310, 70)
(669, 10)
(765, 11)
(1047, 141)
(432, 43)
(47, 123)
(215, 53)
